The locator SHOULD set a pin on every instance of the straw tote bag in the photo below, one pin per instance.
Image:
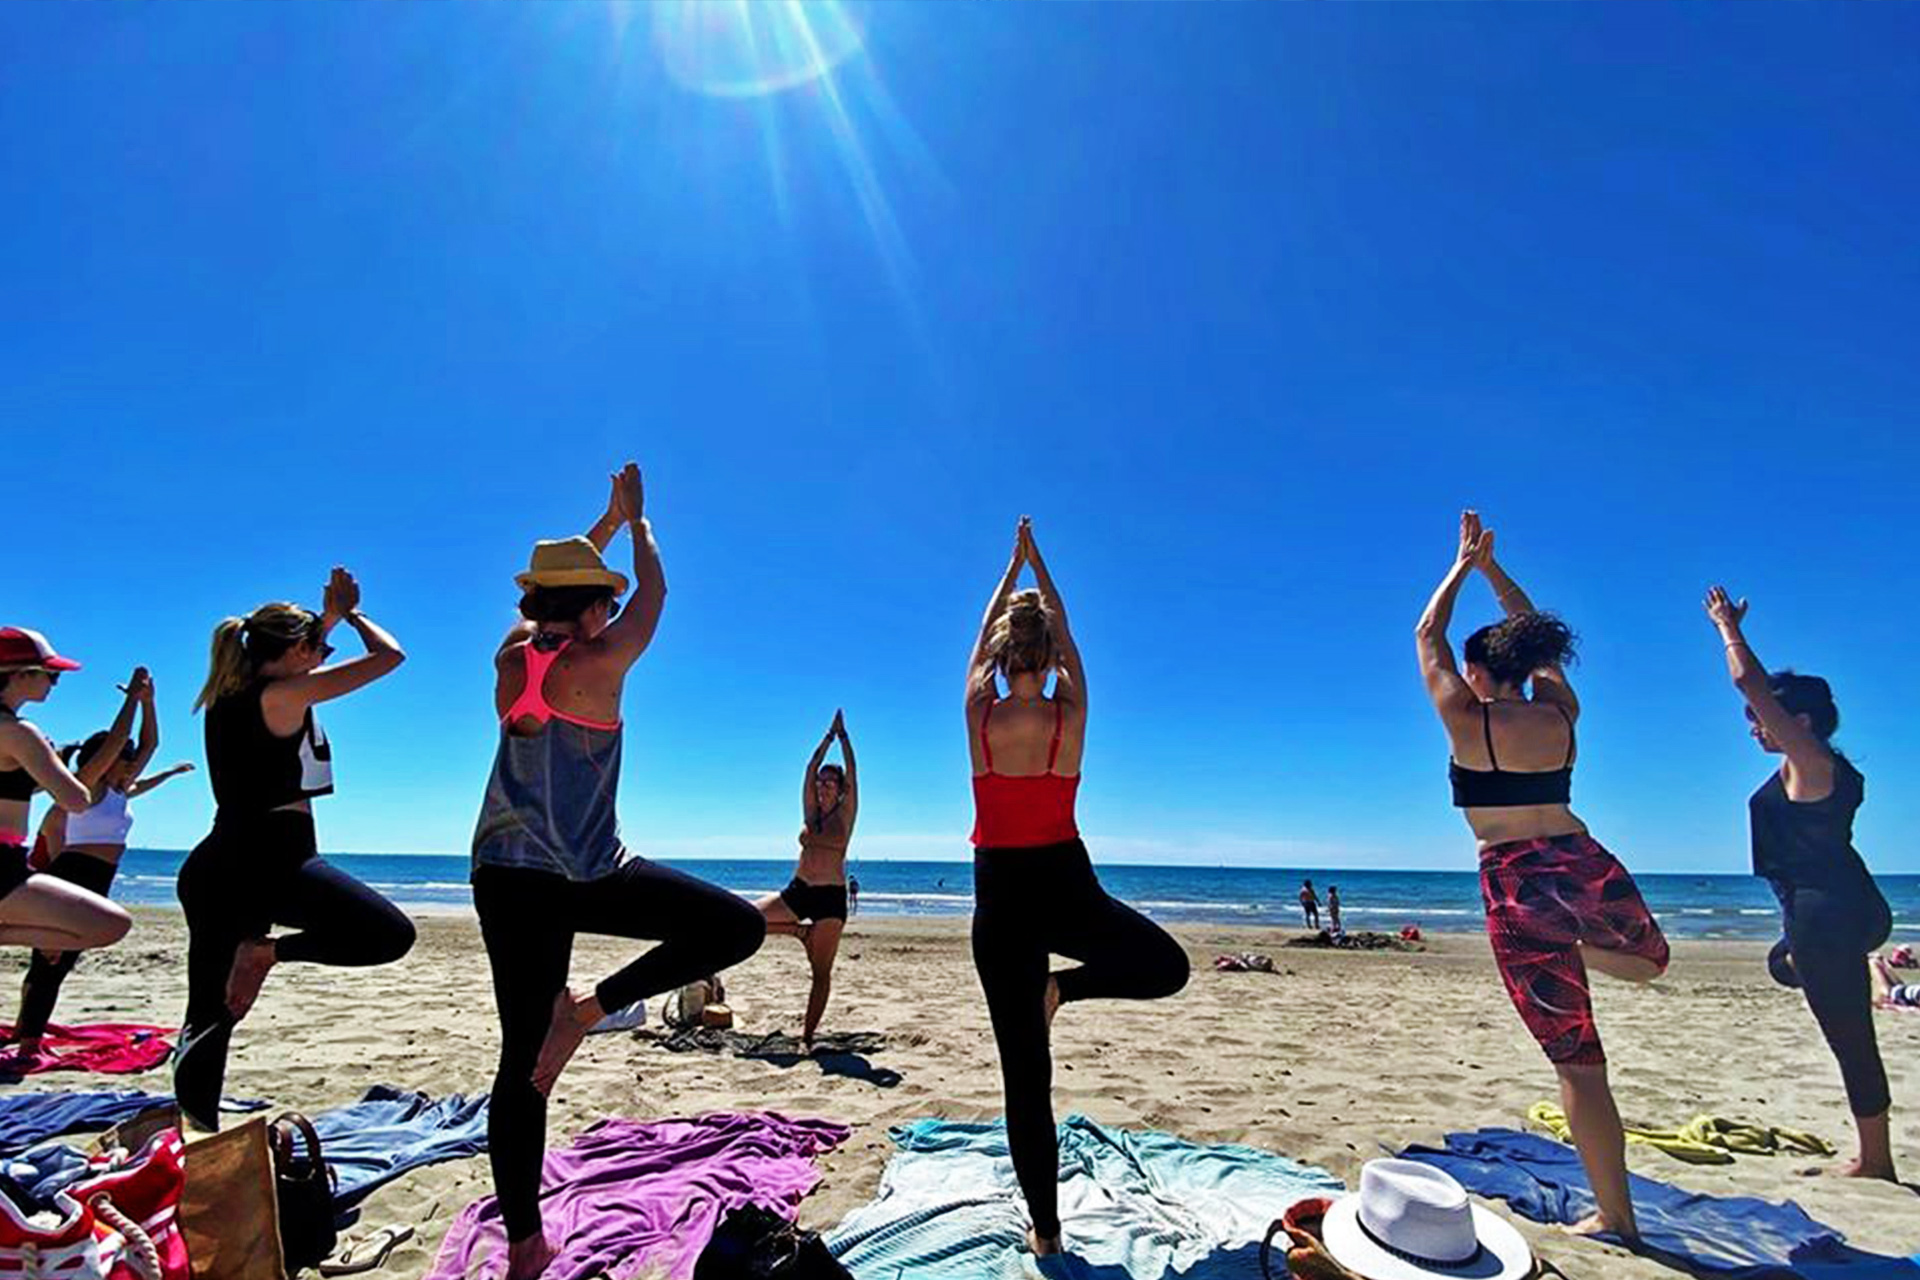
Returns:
(229, 1210)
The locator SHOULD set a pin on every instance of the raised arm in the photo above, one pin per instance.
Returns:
(809, 804)
(147, 784)
(852, 790)
(600, 532)
(631, 632)
(979, 668)
(1446, 687)
(1071, 671)
(1550, 684)
(149, 740)
(286, 701)
(1811, 757)
(138, 688)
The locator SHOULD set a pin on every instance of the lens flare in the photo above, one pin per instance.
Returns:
(750, 48)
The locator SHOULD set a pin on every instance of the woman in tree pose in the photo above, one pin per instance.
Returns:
(1035, 893)
(813, 906)
(260, 866)
(548, 860)
(1832, 913)
(47, 913)
(1558, 904)
(85, 848)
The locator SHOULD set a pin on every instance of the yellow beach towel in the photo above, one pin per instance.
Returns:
(1702, 1140)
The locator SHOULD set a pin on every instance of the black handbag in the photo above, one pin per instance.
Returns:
(304, 1186)
(752, 1243)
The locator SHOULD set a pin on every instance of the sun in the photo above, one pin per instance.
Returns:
(750, 48)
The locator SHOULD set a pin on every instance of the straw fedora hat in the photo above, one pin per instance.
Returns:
(1411, 1221)
(569, 562)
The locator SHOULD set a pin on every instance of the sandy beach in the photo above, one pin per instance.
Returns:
(1327, 1060)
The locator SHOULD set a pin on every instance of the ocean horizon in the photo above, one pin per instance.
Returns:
(1688, 904)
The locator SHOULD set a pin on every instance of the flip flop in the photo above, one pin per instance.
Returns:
(366, 1252)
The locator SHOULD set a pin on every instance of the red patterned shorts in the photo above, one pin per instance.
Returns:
(1544, 897)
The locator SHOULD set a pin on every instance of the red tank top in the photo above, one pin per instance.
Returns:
(1022, 812)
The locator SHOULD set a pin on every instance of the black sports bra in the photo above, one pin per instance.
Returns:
(16, 784)
(1498, 788)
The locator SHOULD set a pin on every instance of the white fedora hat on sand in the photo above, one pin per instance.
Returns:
(1411, 1221)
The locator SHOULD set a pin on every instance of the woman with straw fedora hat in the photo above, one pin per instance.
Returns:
(548, 860)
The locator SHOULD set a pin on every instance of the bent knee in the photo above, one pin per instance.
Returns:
(742, 929)
(111, 925)
(1171, 970)
(392, 940)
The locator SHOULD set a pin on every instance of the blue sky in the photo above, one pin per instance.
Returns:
(1242, 302)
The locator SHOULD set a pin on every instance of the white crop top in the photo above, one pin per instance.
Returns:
(105, 823)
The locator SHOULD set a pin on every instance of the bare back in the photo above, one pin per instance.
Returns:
(1020, 735)
(584, 682)
(1528, 736)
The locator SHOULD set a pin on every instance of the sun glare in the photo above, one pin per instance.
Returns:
(747, 48)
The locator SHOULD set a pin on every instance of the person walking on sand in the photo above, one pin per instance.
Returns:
(85, 849)
(1333, 907)
(260, 866)
(548, 860)
(1035, 892)
(814, 905)
(1309, 904)
(47, 913)
(1833, 916)
(1558, 904)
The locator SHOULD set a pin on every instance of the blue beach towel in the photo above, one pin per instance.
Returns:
(27, 1119)
(373, 1141)
(1134, 1205)
(1723, 1237)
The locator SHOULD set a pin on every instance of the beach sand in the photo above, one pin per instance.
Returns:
(1334, 1056)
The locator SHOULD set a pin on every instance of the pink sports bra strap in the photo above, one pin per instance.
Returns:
(533, 698)
(1053, 752)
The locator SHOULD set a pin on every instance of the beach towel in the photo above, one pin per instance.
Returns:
(632, 1194)
(28, 1119)
(1148, 1203)
(1702, 1140)
(1724, 1237)
(109, 1048)
(770, 1044)
(375, 1140)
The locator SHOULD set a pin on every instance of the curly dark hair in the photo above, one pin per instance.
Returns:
(1517, 646)
(562, 604)
(1808, 696)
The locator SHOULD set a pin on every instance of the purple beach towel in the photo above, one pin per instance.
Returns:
(630, 1194)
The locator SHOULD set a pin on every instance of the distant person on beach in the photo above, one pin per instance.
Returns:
(267, 759)
(853, 895)
(548, 860)
(814, 905)
(1888, 991)
(1035, 893)
(85, 848)
(1832, 912)
(47, 913)
(1309, 904)
(1557, 903)
(1333, 907)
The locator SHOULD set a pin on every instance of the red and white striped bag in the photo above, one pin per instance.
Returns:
(119, 1222)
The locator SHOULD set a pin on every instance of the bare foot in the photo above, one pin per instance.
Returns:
(1053, 998)
(527, 1259)
(252, 960)
(1854, 1168)
(564, 1034)
(1043, 1248)
(1596, 1224)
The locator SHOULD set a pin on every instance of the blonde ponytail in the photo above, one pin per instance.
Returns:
(240, 645)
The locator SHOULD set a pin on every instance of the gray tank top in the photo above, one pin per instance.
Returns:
(550, 802)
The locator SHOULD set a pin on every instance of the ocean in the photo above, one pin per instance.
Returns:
(1689, 906)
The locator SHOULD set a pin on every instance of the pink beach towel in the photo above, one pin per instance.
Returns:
(630, 1194)
(110, 1048)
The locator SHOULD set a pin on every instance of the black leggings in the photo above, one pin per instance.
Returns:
(528, 920)
(1830, 933)
(247, 876)
(1027, 905)
(41, 990)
